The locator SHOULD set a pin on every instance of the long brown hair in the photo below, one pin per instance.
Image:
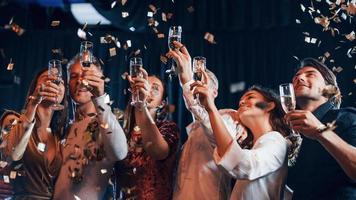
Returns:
(59, 119)
(276, 119)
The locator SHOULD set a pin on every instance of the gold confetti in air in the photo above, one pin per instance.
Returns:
(124, 14)
(55, 23)
(350, 36)
(10, 66)
(153, 8)
(113, 4)
(164, 59)
(337, 69)
(190, 9)
(210, 38)
(112, 52)
(123, 2)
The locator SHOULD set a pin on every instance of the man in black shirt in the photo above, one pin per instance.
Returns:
(326, 165)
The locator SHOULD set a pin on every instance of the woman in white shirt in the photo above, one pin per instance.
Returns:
(261, 169)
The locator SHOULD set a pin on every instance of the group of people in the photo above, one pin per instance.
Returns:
(237, 153)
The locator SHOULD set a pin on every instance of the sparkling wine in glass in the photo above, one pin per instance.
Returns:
(55, 70)
(286, 93)
(135, 65)
(174, 34)
(199, 65)
(86, 53)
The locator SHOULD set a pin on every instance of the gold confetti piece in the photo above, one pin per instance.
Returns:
(161, 35)
(323, 21)
(149, 14)
(302, 7)
(153, 8)
(17, 29)
(55, 23)
(132, 28)
(112, 52)
(164, 17)
(350, 93)
(350, 36)
(103, 171)
(296, 58)
(128, 42)
(156, 23)
(337, 69)
(351, 8)
(354, 80)
(124, 14)
(155, 30)
(10, 66)
(113, 4)
(327, 54)
(297, 21)
(190, 9)
(41, 147)
(76, 197)
(6, 179)
(107, 80)
(3, 164)
(210, 38)
(81, 34)
(169, 15)
(344, 16)
(163, 59)
(123, 2)
(13, 174)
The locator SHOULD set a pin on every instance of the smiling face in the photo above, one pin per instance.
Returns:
(308, 83)
(248, 111)
(80, 94)
(156, 94)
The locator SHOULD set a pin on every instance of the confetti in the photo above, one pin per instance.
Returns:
(164, 59)
(132, 28)
(164, 17)
(149, 14)
(297, 21)
(124, 75)
(13, 174)
(128, 42)
(113, 4)
(123, 2)
(210, 38)
(103, 171)
(76, 197)
(302, 7)
(55, 23)
(6, 179)
(354, 80)
(41, 147)
(237, 87)
(10, 66)
(124, 14)
(107, 80)
(350, 36)
(118, 45)
(337, 69)
(190, 9)
(112, 52)
(153, 8)
(3, 164)
(81, 34)
(161, 35)
(15, 28)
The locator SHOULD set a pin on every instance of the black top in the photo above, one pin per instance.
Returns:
(316, 174)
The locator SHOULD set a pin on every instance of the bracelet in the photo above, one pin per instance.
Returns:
(321, 128)
(328, 127)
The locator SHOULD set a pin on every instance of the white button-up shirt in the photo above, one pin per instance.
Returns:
(260, 171)
(198, 176)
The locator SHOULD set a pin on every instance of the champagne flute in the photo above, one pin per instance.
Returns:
(286, 92)
(199, 65)
(135, 65)
(174, 34)
(55, 70)
(86, 53)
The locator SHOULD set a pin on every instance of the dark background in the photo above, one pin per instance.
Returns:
(256, 42)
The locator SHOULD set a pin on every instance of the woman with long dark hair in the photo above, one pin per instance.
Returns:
(34, 142)
(261, 168)
(147, 171)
